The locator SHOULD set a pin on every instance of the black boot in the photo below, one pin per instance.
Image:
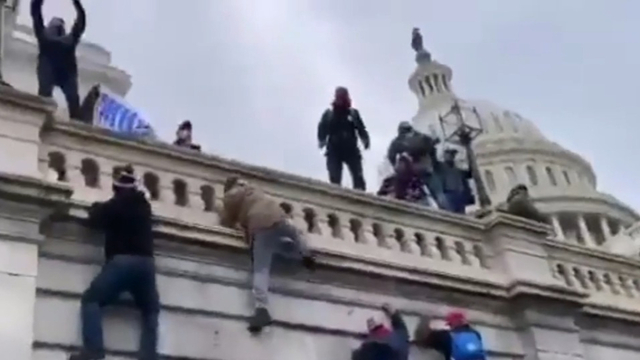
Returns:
(259, 320)
(85, 355)
(309, 262)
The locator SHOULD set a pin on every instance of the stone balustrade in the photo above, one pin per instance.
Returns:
(187, 186)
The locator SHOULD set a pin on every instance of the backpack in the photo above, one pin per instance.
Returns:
(466, 345)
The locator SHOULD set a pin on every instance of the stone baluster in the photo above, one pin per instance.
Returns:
(584, 231)
(298, 219)
(322, 220)
(411, 243)
(472, 257)
(368, 236)
(557, 227)
(456, 252)
(606, 230)
(344, 221)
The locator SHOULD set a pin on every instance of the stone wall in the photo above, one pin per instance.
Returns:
(532, 297)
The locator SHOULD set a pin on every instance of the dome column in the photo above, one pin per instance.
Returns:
(555, 222)
(584, 231)
(606, 230)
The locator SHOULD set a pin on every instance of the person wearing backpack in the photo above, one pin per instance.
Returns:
(338, 132)
(460, 342)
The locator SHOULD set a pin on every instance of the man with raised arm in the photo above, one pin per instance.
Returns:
(384, 343)
(57, 64)
(268, 231)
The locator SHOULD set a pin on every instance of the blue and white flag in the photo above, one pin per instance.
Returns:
(114, 113)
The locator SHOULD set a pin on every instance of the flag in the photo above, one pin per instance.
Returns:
(114, 113)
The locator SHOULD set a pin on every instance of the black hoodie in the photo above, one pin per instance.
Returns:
(126, 220)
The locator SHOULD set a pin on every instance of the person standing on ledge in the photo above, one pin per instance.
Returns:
(338, 131)
(126, 220)
(268, 232)
(57, 64)
(184, 136)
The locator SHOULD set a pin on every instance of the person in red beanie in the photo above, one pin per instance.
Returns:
(338, 132)
(460, 342)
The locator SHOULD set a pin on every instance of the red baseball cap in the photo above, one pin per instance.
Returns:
(456, 318)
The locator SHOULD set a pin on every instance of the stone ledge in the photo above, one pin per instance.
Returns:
(27, 100)
(26, 188)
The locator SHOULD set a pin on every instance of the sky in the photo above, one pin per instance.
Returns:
(255, 76)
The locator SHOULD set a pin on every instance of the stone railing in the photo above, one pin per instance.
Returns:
(612, 281)
(185, 186)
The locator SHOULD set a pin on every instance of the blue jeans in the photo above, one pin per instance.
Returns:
(123, 273)
(280, 239)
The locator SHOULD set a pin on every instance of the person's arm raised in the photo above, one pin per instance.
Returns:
(81, 21)
(397, 322)
(36, 16)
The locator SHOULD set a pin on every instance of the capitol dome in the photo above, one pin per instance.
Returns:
(511, 150)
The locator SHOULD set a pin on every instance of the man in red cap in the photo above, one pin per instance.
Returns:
(459, 342)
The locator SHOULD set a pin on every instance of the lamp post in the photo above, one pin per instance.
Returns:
(11, 6)
(457, 131)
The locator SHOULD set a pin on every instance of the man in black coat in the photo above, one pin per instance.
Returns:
(338, 131)
(57, 64)
(126, 220)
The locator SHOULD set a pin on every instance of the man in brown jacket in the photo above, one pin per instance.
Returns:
(268, 232)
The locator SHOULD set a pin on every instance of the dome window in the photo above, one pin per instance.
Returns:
(491, 182)
(511, 175)
(533, 177)
(551, 176)
(566, 177)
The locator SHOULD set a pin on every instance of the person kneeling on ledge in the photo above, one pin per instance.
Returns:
(268, 232)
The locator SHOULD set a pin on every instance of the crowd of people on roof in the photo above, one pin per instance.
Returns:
(418, 177)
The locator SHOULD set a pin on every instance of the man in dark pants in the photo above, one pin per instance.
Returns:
(126, 219)
(57, 65)
(338, 131)
(455, 183)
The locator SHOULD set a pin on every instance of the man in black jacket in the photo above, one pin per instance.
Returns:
(338, 131)
(57, 64)
(126, 220)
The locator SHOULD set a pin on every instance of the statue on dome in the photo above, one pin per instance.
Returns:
(417, 44)
(57, 63)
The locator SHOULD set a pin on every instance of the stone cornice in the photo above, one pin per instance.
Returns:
(498, 218)
(27, 100)
(25, 189)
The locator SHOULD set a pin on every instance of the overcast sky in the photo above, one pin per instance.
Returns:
(254, 76)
